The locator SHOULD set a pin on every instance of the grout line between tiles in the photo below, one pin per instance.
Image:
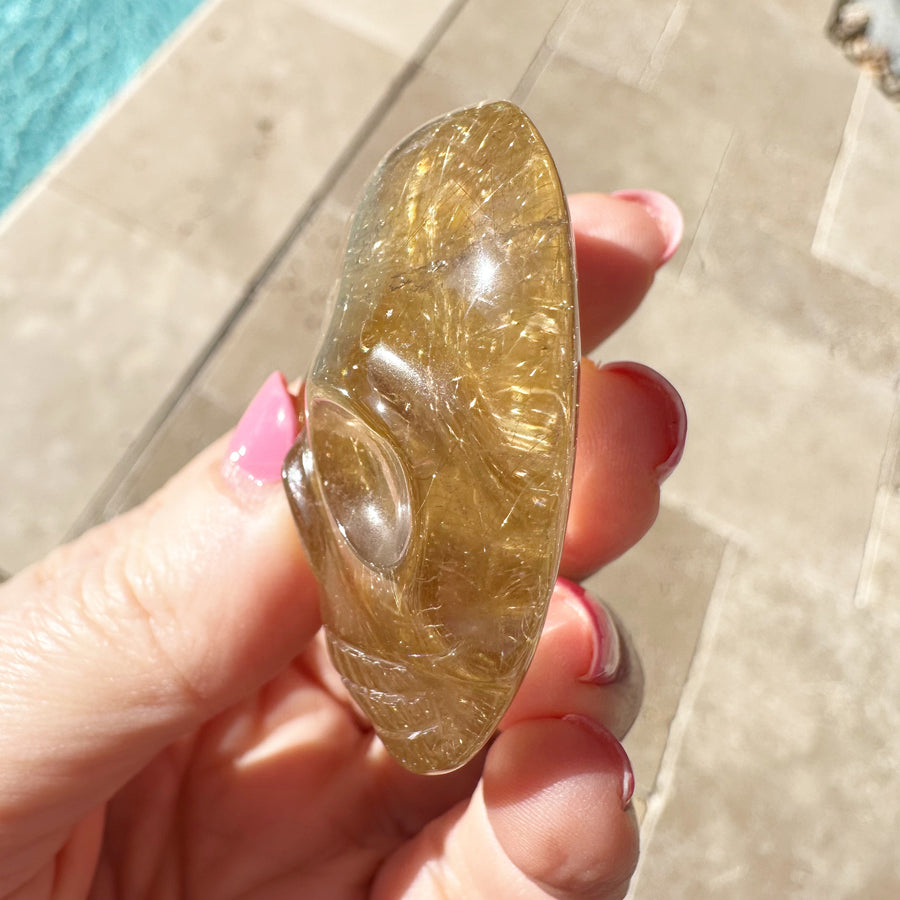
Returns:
(662, 788)
(743, 540)
(543, 54)
(660, 52)
(709, 521)
(98, 502)
(849, 140)
(862, 593)
(138, 226)
(703, 231)
(561, 24)
(532, 72)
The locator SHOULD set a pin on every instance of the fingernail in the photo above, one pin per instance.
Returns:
(608, 739)
(265, 433)
(676, 418)
(664, 211)
(606, 658)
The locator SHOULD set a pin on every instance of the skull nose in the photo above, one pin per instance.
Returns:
(363, 484)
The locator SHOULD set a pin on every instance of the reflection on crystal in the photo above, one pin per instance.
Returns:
(430, 483)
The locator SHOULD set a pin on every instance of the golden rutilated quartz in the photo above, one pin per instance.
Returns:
(431, 479)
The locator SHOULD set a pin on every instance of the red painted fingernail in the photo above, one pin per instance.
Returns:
(609, 740)
(265, 433)
(606, 658)
(664, 211)
(676, 418)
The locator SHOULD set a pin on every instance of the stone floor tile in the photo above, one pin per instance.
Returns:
(860, 233)
(785, 783)
(425, 97)
(396, 25)
(193, 424)
(806, 297)
(491, 43)
(660, 590)
(221, 147)
(784, 442)
(616, 37)
(281, 326)
(770, 74)
(772, 188)
(625, 138)
(98, 322)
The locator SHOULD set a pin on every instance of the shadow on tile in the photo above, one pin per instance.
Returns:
(660, 590)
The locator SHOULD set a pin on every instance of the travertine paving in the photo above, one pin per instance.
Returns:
(186, 247)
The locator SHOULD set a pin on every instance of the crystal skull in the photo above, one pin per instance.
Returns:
(430, 482)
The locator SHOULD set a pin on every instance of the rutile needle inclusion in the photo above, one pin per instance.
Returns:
(431, 479)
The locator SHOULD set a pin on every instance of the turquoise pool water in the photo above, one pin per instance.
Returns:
(60, 62)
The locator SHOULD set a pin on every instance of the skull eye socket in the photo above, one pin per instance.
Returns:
(363, 484)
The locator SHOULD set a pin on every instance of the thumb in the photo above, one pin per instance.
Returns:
(148, 625)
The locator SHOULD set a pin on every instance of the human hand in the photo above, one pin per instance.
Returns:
(170, 726)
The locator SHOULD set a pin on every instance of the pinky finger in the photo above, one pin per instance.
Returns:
(551, 819)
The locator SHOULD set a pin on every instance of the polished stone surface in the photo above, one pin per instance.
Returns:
(431, 481)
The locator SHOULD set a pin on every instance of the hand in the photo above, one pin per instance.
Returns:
(170, 726)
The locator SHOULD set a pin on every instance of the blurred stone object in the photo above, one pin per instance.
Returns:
(868, 31)
(431, 480)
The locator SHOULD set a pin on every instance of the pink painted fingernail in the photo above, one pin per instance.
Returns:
(608, 739)
(606, 658)
(676, 418)
(664, 211)
(265, 433)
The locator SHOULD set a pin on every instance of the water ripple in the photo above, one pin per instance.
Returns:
(60, 63)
